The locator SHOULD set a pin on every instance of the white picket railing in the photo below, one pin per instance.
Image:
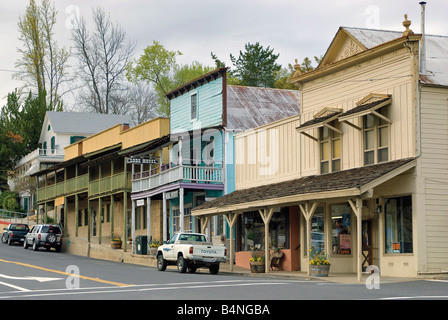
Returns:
(192, 174)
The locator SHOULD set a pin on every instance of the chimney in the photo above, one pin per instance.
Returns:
(423, 46)
(124, 126)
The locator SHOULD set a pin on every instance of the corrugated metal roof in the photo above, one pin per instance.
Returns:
(251, 107)
(436, 51)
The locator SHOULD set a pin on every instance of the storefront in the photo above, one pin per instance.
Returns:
(361, 217)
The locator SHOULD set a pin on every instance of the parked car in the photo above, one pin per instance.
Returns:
(15, 232)
(190, 251)
(44, 235)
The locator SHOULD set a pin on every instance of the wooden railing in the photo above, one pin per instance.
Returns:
(193, 174)
(81, 183)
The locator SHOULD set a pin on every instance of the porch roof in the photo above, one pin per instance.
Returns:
(346, 183)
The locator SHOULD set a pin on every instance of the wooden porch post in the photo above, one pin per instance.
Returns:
(100, 222)
(231, 219)
(357, 209)
(204, 223)
(164, 215)
(308, 214)
(133, 225)
(266, 215)
(148, 219)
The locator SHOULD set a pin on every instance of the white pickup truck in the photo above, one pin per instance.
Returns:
(190, 251)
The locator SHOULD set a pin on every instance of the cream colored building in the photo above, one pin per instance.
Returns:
(364, 174)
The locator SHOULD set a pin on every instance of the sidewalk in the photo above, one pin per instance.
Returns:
(341, 278)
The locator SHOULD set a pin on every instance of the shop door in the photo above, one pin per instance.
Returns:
(366, 244)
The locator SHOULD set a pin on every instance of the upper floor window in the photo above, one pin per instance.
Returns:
(330, 147)
(376, 137)
(193, 106)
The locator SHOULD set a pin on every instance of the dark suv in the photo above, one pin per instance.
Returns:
(44, 235)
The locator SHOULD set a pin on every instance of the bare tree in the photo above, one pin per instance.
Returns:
(103, 56)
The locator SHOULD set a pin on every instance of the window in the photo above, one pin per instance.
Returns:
(341, 242)
(330, 148)
(193, 106)
(376, 137)
(317, 232)
(398, 225)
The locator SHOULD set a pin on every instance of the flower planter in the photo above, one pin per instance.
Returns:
(115, 244)
(257, 267)
(319, 271)
(152, 251)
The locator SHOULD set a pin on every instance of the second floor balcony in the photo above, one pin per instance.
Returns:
(97, 187)
(166, 174)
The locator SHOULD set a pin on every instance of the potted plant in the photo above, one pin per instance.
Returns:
(257, 262)
(153, 248)
(319, 264)
(115, 241)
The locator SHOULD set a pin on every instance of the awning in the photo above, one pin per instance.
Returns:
(342, 184)
(317, 123)
(365, 109)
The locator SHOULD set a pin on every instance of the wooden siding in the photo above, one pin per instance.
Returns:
(267, 154)
(434, 168)
(209, 108)
(387, 74)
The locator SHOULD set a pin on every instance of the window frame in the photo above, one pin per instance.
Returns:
(378, 124)
(330, 140)
(194, 93)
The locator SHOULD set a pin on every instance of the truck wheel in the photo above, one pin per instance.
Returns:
(214, 268)
(9, 241)
(3, 239)
(161, 263)
(25, 244)
(181, 264)
(35, 246)
(51, 238)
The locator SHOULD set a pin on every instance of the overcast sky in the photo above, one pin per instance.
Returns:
(295, 29)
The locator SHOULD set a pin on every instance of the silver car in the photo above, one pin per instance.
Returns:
(44, 235)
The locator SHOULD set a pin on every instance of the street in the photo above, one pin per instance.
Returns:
(42, 275)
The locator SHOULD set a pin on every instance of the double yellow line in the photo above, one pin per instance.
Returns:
(67, 274)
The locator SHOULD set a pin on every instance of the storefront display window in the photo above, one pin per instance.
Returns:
(251, 231)
(341, 229)
(317, 231)
(398, 225)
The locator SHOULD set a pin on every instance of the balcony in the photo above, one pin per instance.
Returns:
(148, 180)
(81, 184)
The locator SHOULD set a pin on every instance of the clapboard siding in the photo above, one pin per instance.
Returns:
(209, 109)
(434, 168)
(267, 154)
(390, 74)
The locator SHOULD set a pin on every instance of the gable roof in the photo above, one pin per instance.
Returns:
(251, 107)
(351, 41)
(81, 123)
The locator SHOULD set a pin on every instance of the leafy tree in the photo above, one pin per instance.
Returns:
(284, 74)
(256, 66)
(157, 67)
(42, 64)
(20, 126)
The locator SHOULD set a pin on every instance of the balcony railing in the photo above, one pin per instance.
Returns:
(148, 180)
(81, 183)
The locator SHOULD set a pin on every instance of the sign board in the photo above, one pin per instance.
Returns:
(171, 195)
(396, 247)
(59, 201)
(140, 202)
(142, 161)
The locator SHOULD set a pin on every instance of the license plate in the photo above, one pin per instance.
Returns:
(21, 239)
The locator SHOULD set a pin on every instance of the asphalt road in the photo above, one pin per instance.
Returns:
(41, 275)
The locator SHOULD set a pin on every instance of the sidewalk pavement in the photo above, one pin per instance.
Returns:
(341, 278)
